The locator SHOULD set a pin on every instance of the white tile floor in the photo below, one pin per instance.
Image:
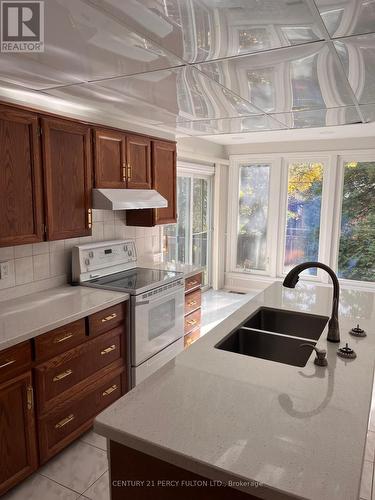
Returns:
(81, 470)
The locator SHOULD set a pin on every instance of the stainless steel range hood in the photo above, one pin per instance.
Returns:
(127, 199)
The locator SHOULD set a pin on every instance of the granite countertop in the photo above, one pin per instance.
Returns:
(300, 432)
(31, 315)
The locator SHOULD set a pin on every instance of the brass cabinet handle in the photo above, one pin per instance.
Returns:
(89, 218)
(192, 283)
(62, 375)
(129, 171)
(124, 172)
(191, 322)
(7, 363)
(64, 421)
(57, 340)
(192, 303)
(108, 318)
(30, 397)
(108, 350)
(110, 390)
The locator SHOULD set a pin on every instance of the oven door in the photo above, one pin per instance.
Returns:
(158, 320)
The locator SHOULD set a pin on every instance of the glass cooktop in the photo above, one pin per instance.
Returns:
(136, 280)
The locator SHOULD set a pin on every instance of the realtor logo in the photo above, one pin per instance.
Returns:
(22, 26)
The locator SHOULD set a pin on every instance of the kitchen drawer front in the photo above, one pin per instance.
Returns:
(63, 426)
(191, 337)
(66, 370)
(193, 282)
(193, 301)
(192, 321)
(107, 319)
(14, 360)
(60, 340)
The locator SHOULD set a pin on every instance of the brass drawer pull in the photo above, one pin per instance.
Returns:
(192, 322)
(108, 318)
(192, 303)
(192, 283)
(7, 363)
(108, 350)
(110, 390)
(30, 397)
(57, 340)
(64, 421)
(62, 375)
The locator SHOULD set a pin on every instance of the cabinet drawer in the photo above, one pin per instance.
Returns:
(193, 301)
(193, 282)
(14, 360)
(64, 425)
(66, 370)
(191, 337)
(192, 321)
(107, 319)
(60, 340)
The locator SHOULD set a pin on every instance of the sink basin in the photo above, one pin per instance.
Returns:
(296, 324)
(265, 345)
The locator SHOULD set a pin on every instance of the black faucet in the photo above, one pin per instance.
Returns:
(291, 279)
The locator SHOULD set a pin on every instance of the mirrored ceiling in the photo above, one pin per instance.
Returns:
(205, 67)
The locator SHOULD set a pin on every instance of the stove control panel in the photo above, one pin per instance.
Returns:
(96, 259)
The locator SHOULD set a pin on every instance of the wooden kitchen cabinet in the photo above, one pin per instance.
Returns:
(121, 160)
(67, 164)
(164, 181)
(18, 448)
(21, 193)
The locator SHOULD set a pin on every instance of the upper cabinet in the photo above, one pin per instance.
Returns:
(164, 181)
(68, 178)
(21, 198)
(121, 161)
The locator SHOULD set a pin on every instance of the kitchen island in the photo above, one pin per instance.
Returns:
(268, 430)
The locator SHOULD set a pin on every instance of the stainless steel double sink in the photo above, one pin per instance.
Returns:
(276, 335)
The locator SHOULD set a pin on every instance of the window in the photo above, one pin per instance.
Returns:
(288, 209)
(304, 200)
(356, 259)
(253, 216)
(189, 241)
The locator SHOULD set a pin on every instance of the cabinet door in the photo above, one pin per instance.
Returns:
(164, 174)
(138, 151)
(18, 453)
(21, 198)
(109, 159)
(68, 178)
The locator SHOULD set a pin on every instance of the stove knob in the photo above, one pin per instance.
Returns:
(130, 253)
(87, 262)
(91, 255)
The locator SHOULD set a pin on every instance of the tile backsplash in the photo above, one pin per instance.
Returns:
(44, 265)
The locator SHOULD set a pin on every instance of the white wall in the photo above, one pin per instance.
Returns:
(45, 265)
(194, 148)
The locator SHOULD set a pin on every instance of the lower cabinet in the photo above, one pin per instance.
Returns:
(18, 448)
(50, 395)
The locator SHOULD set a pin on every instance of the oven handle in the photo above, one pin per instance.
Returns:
(161, 296)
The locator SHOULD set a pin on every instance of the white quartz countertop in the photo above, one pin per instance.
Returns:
(26, 317)
(300, 432)
(187, 269)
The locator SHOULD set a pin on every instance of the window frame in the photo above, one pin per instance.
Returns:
(332, 194)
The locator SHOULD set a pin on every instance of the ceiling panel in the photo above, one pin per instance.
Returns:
(357, 54)
(163, 96)
(319, 117)
(283, 80)
(254, 123)
(82, 44)
(203, 30)
(347, 17)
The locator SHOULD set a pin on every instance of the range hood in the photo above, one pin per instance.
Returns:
(127, 199)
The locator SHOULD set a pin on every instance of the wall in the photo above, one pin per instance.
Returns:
(44, 265)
